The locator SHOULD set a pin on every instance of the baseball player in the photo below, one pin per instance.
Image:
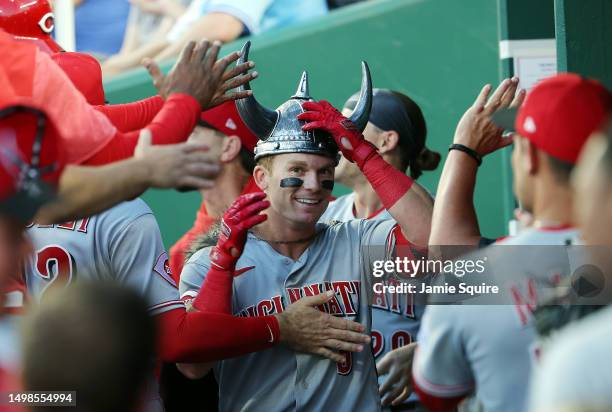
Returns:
(30, 166)
(289, 255)
(197, 82)
(490, 349)
(397, 127)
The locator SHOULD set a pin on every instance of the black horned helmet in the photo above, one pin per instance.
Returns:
(279, 131)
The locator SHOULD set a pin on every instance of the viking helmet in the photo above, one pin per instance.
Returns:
(279, 131)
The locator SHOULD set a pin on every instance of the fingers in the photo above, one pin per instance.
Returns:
(205, 170)
(345, 324)
(482, 97)
(509, 94)
(310, 116)
(236, 70)
(392, 393)
(145, 138)
(316, 300)
(186, 53)
(195, 182)
(199, 53)
(334, 356)
(388, 384)
(495, 100)
(211, 57)
(504, 141)
(404, 395)
(253, 221)
(154, 71)
(191, 147)
(519, 98)
(384, 365)
(238, 81)
(314, 125)
(250, 210)
(315, 106)
(339, 345)
(229, 96)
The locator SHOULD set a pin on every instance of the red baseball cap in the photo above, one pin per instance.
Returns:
(559, 114)
(85, 73)
(225, 118)
(30, 20)
(30, 158)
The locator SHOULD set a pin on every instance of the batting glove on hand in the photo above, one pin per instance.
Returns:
(242, 215)
(322, 115)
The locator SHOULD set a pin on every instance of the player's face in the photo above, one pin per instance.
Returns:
(593, 194)
(521, 172)
(210, 137)
(298, 204)
(347, 172)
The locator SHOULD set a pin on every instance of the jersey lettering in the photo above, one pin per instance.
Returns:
(55, 264)
(344, 368)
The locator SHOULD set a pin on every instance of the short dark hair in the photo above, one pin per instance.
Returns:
(93, 338)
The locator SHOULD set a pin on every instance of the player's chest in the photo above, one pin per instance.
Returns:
(271, 282)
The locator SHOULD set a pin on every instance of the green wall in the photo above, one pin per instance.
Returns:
(440, 52)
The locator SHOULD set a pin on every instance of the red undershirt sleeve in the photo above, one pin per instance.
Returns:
(132, 116)
(173, 124)
(207, 337)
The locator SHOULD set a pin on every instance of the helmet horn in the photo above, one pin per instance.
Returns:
(258, 118)
(361, 114)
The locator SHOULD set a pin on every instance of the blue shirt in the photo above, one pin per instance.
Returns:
(100, 25)
(256, 15)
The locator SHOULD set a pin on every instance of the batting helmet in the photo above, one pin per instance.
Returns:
(30, 20)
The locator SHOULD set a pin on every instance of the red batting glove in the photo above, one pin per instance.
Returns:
(323, 116)
(242, 215)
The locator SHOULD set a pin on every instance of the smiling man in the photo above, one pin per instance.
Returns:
(289, 255)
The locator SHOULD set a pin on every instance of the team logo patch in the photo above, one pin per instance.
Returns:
(47, 23)
(230, 124)
(162, 267)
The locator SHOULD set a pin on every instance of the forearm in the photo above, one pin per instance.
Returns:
(85, 191)
(172, 124)
(454, 217)
(215, 295)
(208, 337)
(410, 206)
(212, 26)
(132, 116)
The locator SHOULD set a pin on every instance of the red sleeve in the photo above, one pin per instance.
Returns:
(208, 337)
(132, 116)
(433, 403)
(173, 124)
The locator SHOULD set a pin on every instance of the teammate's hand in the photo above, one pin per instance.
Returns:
(198, 73)
(476, 130)
(397, 364)
(176, 165)
(306, 329)
(322, 115)
(242, 215)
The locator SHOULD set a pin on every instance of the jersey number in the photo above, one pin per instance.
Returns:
(55, 264)
(399, 338)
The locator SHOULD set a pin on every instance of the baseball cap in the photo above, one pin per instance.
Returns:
(30, 20)
(85, 73)
(225, 118)
(559, 114)
(30, 159)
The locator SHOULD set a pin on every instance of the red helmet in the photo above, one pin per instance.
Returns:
(29, 20)
(31, 160)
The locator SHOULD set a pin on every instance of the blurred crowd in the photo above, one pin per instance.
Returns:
(269, 301)
(122, 33)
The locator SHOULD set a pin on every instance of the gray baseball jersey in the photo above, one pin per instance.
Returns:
(279, 379)
(395, 317)
(122, 244)
(490, 348)
(575, 372)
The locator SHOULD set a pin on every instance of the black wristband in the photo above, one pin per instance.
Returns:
(470, 152)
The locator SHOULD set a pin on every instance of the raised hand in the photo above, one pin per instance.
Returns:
(198, 73)
(323, 116)
(476, 130)
(242, 215)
